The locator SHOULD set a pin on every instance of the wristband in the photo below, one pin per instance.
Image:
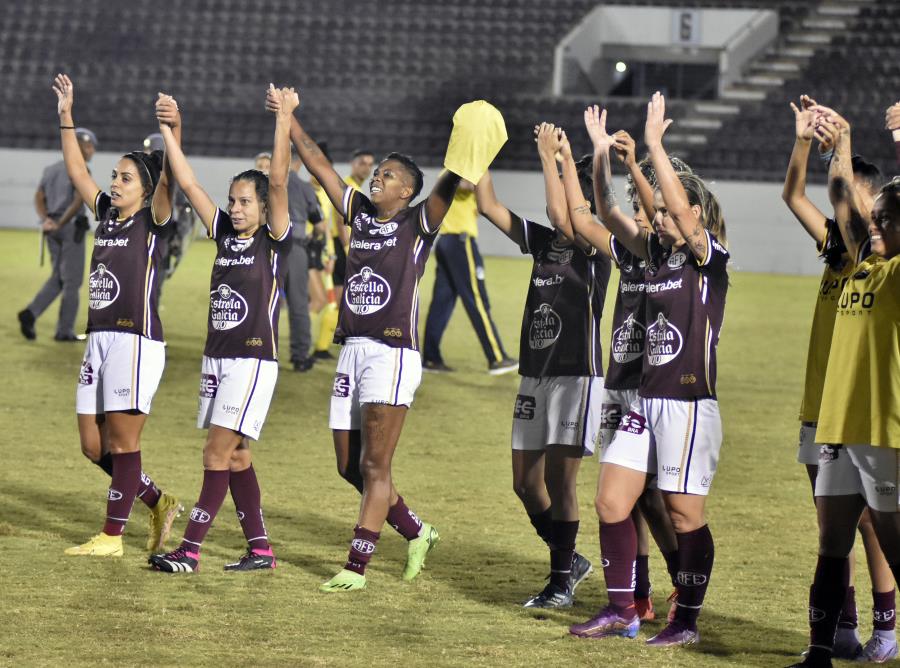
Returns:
(826, 156)
(66, 127)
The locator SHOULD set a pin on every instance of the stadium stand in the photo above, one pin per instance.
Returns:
(388, 76)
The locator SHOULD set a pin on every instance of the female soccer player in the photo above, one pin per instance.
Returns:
(859, 416)
(379, 367)
(125, 355)
(686, 287)
(240, 360)
(556, 415)
(838, 269)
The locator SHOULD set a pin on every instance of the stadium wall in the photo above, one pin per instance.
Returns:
(762, 234)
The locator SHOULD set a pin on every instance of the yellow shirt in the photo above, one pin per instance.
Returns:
(861, 396)
(329, 217)
(462, 217)
(820, 339)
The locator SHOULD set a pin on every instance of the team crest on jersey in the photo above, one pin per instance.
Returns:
(664, 341)
(560, 253)
(628, 340)
(677, 260)
(227, 309)
(546, 326)
(238, 244)
(385, 229)
(367, 292)
(103, 287)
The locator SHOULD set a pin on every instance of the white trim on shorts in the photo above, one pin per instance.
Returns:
(235, 393)
(872, 472)
(120, 371)
(808, 449)
(557, 410)
(371, 372)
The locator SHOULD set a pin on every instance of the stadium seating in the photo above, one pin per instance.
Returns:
(389, 75)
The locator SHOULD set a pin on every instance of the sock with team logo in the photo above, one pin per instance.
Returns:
(849, 618)
(404, 520)
(562, 551)
(123, 488)
(642, 587)
(672, 565)
(362, 547)
(618, 551)
(212, 495)
(148, 492)
(826, 596)
(542, 522)
(696, 554)
(884, 610)
(247, 502)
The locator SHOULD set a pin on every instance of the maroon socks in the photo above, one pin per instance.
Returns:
(826, 596)
(696, 554)
(672, 565)
(884, 610)
(542, 524)
(362, 547)
(642, 588)
(123, 488)
(246, 495)
(148, 492)
(404, 520)
(212, 494)
(562, 551)
(618, 550)
(849, 618)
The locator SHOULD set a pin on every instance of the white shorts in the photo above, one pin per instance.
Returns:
(860, 469)
(686, 436)
(371, 372)
(120, 372)
(808, 452)
(235, 393)
(557, 410)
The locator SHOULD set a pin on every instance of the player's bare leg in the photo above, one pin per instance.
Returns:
(529, 486)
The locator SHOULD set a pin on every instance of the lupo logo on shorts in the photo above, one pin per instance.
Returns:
(633, 423)
(525, 406)
(103, 288)
(366, 292)
(208, 385)
(341, 386)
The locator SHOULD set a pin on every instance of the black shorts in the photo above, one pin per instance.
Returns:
(340, 262)
(314, 250)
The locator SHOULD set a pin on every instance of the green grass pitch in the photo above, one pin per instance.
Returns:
(452, 466)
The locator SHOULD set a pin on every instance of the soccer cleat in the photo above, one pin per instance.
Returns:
(323, 355)
(417, 549)
(176, 561)
(553, 596)
(304, 365)
(344, 581)
(26, 324)
(846, 644)
(101, 545)
(162, 516)
(253, 560)
(506, 365)
(581, 568)
(435, 367)
(673, 599)
(644, 608)
(879, 649)
(607, 623)
(673, 635)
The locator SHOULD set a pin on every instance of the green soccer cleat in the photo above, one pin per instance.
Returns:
(100, 545)
(344, 581)
(162, 516)
(418, 549)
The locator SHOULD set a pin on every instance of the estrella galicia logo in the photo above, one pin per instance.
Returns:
(341, 386)
(664, 342)
(628, 341)
(227, 309)
(545, 328)
(610, 415)
(199, 515)
(367, 292)
(114, 495)
(103, 287)
(208, 385)
(525, 407)
(362, 546)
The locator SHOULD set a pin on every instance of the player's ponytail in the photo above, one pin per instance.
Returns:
(149, 167)
(710, 212)
(585, 170)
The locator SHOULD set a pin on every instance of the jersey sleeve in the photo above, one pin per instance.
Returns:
(351, 203)
(717, 256)
(221, 225)
(101, 205)
(286, 236)
(425, 228)
(618, 252)
(534, 235)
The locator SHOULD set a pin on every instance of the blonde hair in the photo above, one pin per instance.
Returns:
(710, 212)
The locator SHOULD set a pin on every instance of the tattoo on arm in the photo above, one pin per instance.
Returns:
(607, 192)
(310, 146)
(583, 209)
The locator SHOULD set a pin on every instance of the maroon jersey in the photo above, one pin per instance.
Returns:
(384, 266)
(123, 291)
(629, 331)
(243, 292)
(561, 325)
(685, 308)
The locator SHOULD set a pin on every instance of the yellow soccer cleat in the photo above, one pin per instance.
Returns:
(100, 545)
(418, 549)
(162, 516)
(344, 581)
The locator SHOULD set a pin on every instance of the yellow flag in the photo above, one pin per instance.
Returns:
(478, 134)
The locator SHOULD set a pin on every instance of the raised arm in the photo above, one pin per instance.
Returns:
(440, 199)
(892, 123)
(312, 157)
(549, 144)
(794, 193)
(578, 208)
(625, 152)
(677, 205)
(279, 217)
(162, 196)
(76, 167)
(624, 228)
(494, 211)
(166, 113)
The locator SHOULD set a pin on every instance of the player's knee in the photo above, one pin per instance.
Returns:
(685, 522)
(374, 470)
(92, 449)
(610, 509)
(349, 471)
